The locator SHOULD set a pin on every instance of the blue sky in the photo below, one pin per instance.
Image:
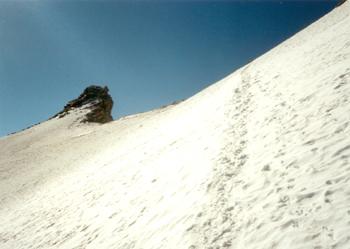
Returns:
(149, 53)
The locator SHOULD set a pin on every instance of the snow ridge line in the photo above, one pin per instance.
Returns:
(219, 224)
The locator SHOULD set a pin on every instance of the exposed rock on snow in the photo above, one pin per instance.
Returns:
(340, 3)
(96, 99)
(259, 160)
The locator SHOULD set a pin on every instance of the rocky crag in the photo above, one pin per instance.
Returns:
(96, 99)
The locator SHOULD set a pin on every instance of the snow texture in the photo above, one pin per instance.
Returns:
(258, 160)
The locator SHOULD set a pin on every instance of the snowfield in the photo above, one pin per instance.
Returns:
(258, 160)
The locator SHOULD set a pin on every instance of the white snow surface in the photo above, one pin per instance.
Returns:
(258, 160)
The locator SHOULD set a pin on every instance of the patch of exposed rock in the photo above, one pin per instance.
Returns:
(96, 99)
(340, 3)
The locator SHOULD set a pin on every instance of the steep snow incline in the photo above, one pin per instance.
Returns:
(135, 182)
(283, 179)
(257, 160)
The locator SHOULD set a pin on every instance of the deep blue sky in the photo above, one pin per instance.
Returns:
(149, 53)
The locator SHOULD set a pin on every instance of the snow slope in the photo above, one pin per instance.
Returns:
(257, 160)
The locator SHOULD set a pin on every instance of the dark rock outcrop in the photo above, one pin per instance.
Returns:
(96, 99)
(340, 3)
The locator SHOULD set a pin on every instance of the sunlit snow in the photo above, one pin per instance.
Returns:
(258, 160)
